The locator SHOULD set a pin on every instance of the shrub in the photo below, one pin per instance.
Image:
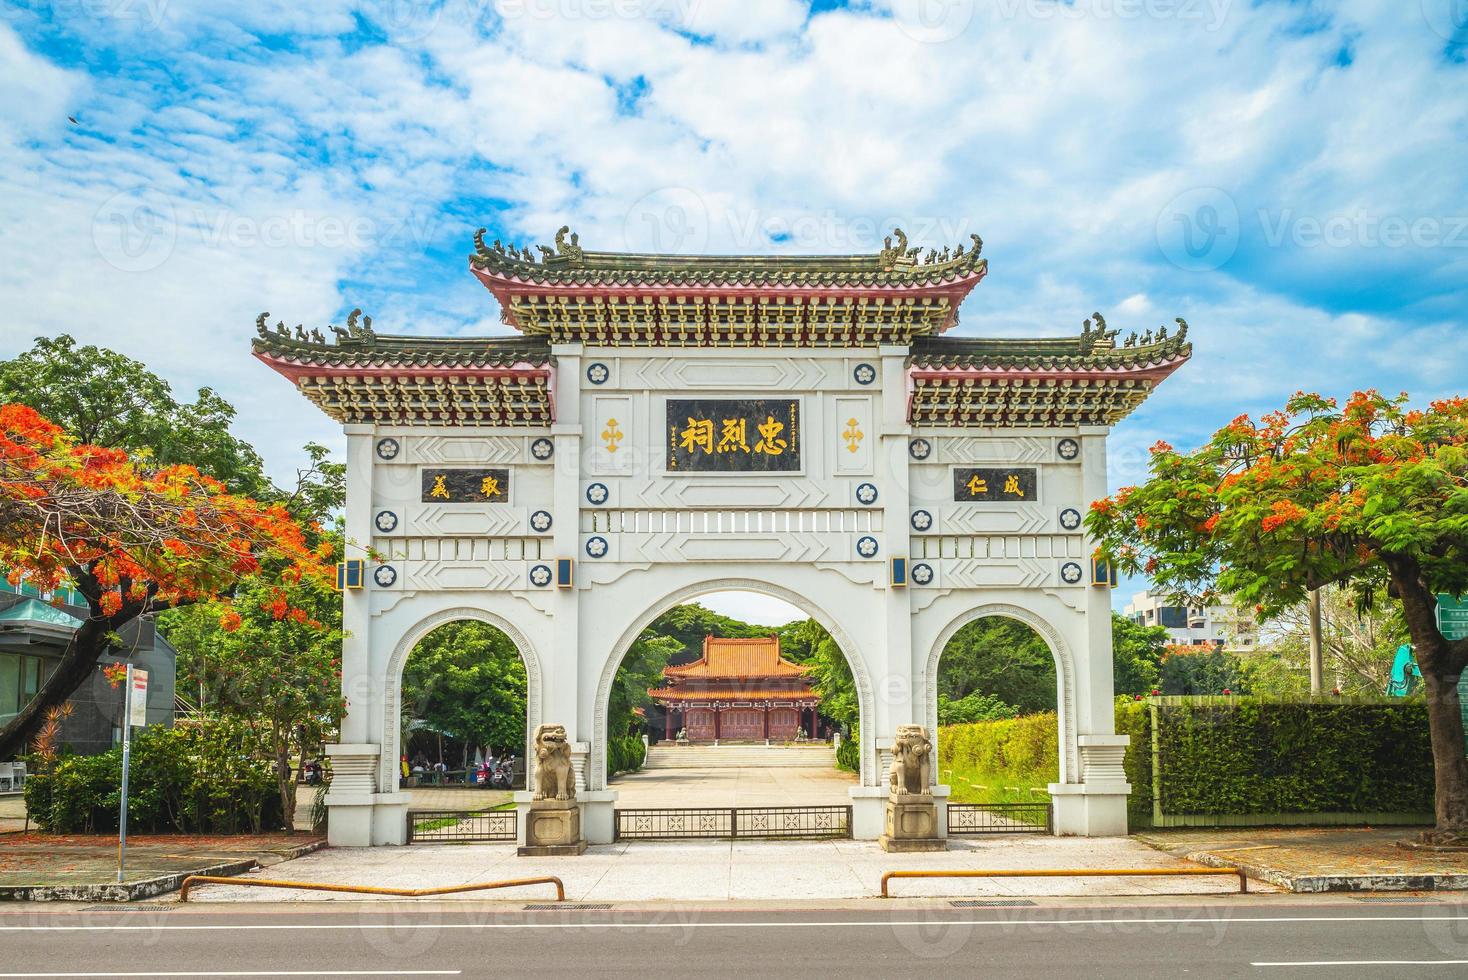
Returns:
(185, 779)
(1025, 745)
(848, 756)
(973, 707)
(626, 753)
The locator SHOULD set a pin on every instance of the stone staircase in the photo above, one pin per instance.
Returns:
(666, 755)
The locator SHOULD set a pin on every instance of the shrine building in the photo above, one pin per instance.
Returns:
(739, 690)
(659, 427)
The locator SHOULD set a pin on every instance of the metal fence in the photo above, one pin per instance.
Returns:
(735, 823)
(998, 818)
(461, 826)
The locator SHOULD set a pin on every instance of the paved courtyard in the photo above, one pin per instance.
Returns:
(730, 870)
(744, 786)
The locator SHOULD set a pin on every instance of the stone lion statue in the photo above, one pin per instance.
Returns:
(554, 777)
(912, 762)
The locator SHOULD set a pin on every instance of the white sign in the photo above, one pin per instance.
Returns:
(138, 698)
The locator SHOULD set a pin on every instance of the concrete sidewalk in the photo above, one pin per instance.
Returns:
(732, 871)
(1320, 859)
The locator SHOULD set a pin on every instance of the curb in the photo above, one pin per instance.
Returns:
(148, 887)
(1316, 884)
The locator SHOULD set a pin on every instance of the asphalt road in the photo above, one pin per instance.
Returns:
(1196, 938)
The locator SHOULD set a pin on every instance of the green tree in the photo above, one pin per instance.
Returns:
(269, 659)
(1000, 657)
(641, 671)
(466, 680)
(105, 399)
(1363, 496)
(1203, 669)
(1136, 653)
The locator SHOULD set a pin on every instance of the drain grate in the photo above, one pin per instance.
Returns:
(583, 907)
(128, 908)
(993, 903)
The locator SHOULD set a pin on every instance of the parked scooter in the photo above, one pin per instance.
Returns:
(502, 773)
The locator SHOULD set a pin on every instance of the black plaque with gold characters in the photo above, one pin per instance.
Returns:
(464, 486)
(717, 435)
(994, 483)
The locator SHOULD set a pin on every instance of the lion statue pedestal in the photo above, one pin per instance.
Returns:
(912, 813)
(553, 822)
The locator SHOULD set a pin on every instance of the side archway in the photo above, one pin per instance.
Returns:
(1065, 694)
(597, 778)
(393, 682)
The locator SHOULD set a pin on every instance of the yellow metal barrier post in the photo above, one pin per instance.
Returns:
(192, 880)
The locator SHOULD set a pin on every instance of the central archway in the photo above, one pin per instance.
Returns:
(597, 778)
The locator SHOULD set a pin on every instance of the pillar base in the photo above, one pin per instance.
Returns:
(1090, 809)
(367, 820)
(553, 827)
(868, 812)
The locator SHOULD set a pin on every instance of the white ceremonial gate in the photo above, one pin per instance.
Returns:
(668, 426)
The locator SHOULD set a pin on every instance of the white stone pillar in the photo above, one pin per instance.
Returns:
(562, 698)
(1093, 801)
(355, 759)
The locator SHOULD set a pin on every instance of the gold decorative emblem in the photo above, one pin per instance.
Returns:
(853, 435)
(612, 435)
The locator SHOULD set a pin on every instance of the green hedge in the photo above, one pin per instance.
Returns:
(1023, 746)
(1133, 718)
(1247, 756)
(181, 780)
(1232, 756)
(626, 754)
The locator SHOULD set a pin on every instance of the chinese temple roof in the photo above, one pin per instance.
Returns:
(631, 298)
(1095, 349)
(365, 376)
(750, 669)
(896, 296)
(896, 264)
(726, 657)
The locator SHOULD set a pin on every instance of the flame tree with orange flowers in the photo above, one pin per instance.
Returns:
(131, 540)
(1370, 494)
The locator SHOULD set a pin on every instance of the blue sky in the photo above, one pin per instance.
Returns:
(1290, 177)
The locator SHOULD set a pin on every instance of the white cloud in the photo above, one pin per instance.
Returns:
(337, 170)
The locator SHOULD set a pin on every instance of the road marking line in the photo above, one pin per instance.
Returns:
(1365, 963)
(837, 924)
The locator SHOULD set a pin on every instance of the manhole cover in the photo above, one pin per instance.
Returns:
(992, 903)
(587, 907)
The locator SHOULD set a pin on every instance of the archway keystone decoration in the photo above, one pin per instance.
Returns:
(660, 426)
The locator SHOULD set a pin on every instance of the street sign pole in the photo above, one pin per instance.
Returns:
(127, 746)
(134, 713)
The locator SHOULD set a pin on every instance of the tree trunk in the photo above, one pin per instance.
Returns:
(1317, 652)
(285, 783)
(1449, 754)
(87, 645)
(1441, 662)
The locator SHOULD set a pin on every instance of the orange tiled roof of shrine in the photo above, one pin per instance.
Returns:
(757, 656)
(736, 693)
